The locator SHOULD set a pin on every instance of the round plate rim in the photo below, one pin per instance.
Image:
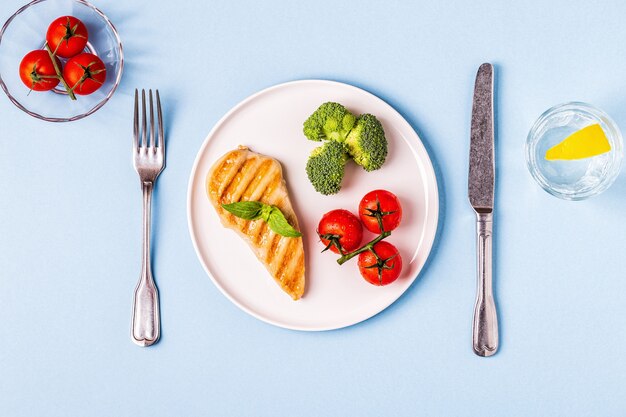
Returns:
(433, 206)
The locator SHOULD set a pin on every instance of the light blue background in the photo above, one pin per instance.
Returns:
(70, 223)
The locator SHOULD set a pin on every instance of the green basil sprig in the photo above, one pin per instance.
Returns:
(254, 210)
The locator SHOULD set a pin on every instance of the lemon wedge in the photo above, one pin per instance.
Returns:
(585, 143)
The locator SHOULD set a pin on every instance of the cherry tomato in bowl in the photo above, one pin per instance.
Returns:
(67, 36)
(37, 71)
(84, 73)
(380, 265)
(340, 231)
(380, 206)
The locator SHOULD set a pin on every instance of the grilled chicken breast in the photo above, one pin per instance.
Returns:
(243, 175)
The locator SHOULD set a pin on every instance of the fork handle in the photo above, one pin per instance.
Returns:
(146, 321)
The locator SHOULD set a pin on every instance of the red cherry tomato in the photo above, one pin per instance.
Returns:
(37, 71)
(383, 267)
(67, 36)
(383, 205)
(84, 73)
(340, 231)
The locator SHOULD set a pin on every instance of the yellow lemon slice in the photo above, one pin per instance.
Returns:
(587, 142)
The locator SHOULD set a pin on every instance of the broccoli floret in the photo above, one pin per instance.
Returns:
(330, 121)
(325, 167)
(366, 143)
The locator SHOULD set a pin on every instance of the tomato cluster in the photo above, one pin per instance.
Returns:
(341, 231)
(80, 72)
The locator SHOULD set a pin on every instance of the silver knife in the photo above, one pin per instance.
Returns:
(481, 195)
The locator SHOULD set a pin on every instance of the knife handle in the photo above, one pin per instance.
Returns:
(485, 329)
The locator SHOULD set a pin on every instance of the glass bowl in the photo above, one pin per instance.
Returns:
(578, 179)
(26, 31)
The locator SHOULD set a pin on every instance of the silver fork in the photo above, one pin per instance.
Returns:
(149, 161)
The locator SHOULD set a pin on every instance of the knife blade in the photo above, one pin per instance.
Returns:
(482, 164)
(481, 185)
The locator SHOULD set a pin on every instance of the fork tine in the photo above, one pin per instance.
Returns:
(152, 141)
(144, 137)
(160, 121)
(136, 124)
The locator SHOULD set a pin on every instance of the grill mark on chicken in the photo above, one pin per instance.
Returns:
(217, 184)
(225, 173)
(261, 233)
(261, 195)
(282, 261)
(271, 187)
(241, 179)
(257, 185)
(248, 174)
(271, 175)
(271, 253)
(298, 264)
(293, 261)
(242, 175)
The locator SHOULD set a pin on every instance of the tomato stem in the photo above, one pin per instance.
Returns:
(378, 214)
(59, 74)
(333, 240)
(368, 246)
(381, 265)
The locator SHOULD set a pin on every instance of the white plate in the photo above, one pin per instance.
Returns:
(270, 122)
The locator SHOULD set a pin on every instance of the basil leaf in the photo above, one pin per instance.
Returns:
(266, 212)
(279, 224)
(254, 210)
(248, 210)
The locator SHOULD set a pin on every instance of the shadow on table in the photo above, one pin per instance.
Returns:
(617, 192)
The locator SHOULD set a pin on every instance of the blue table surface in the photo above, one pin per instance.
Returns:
(71, 220)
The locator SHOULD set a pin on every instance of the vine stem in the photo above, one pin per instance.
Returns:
(345, 258)
(59, 74)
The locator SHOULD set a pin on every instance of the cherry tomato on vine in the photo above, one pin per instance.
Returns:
(380, 206)
(67, 36)
(84, 73)
(37, 71)
(340, 231)
(380, 265)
